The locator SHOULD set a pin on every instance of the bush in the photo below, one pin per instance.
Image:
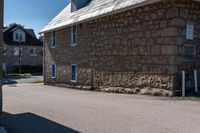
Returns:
(29, 69)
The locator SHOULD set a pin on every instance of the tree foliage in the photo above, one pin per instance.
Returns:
(16, 24)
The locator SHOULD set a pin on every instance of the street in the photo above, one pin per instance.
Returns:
(46, 109)
(21, 79)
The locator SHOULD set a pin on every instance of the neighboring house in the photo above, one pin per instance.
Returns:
(17, 38)
(139, 44)
(1, 50)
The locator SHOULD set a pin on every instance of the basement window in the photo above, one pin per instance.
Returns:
(53, 73)
(73, 35)
(53, 39)
(73, 76)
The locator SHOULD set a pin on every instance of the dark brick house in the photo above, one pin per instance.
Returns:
(1, 43)
(31, 49)
(143, 45)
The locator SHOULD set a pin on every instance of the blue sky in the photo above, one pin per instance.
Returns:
(33, 14)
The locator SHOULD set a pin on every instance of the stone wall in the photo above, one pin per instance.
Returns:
(135, 48)
(187, 11)
(27, 58)
(1, 55)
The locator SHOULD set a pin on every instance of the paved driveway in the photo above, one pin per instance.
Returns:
(45, 109)
(21, 79)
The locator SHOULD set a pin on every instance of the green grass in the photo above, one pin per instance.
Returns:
(190, 98)
(38, 82)
(18, 75)
(23, 74)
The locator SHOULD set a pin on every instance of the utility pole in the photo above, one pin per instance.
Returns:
(20, 53)
(1, 56)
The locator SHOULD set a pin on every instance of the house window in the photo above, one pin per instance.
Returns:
(16, 51)
(74, 35)
(33, 52)
(53, 73)
(17, 36)
(190, 30)
(73, 78)
(53, 39)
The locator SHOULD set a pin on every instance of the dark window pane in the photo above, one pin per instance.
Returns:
(73, 72)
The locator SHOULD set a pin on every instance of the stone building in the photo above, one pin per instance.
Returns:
(1, 55)
(139, 46)
(20, 41)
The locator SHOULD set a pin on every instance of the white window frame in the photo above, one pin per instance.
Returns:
(73, 44)
(53, 37)
(75, 73)
(53, 77)
(19, 35)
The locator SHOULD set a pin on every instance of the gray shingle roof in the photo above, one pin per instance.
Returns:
(95, 8)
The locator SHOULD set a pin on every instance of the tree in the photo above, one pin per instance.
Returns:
(15, 24)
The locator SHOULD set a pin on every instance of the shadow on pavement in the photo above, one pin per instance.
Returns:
(8, 80)
(31, 123)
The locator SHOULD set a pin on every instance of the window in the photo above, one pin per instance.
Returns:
(33, 52)
(190, 30)
(17, 36)
(73, 78)
(16, 51)
(53, 73)
(74, 35)
(53, 39)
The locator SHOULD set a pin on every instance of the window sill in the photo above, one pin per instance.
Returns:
(73, 44)
(73, 81)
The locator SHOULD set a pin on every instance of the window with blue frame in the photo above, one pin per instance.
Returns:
(53, 73)
(53, 39)
(73, 78)
(74, 35)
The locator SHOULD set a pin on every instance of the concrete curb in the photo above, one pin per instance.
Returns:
(2, 130)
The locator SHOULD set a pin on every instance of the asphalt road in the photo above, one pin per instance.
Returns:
(21, 80)
(45, 109)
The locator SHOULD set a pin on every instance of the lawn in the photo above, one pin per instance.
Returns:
(23, 74)
(38, 82)
(190, 98)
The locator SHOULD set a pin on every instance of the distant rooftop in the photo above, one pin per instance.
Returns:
(31, 39)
